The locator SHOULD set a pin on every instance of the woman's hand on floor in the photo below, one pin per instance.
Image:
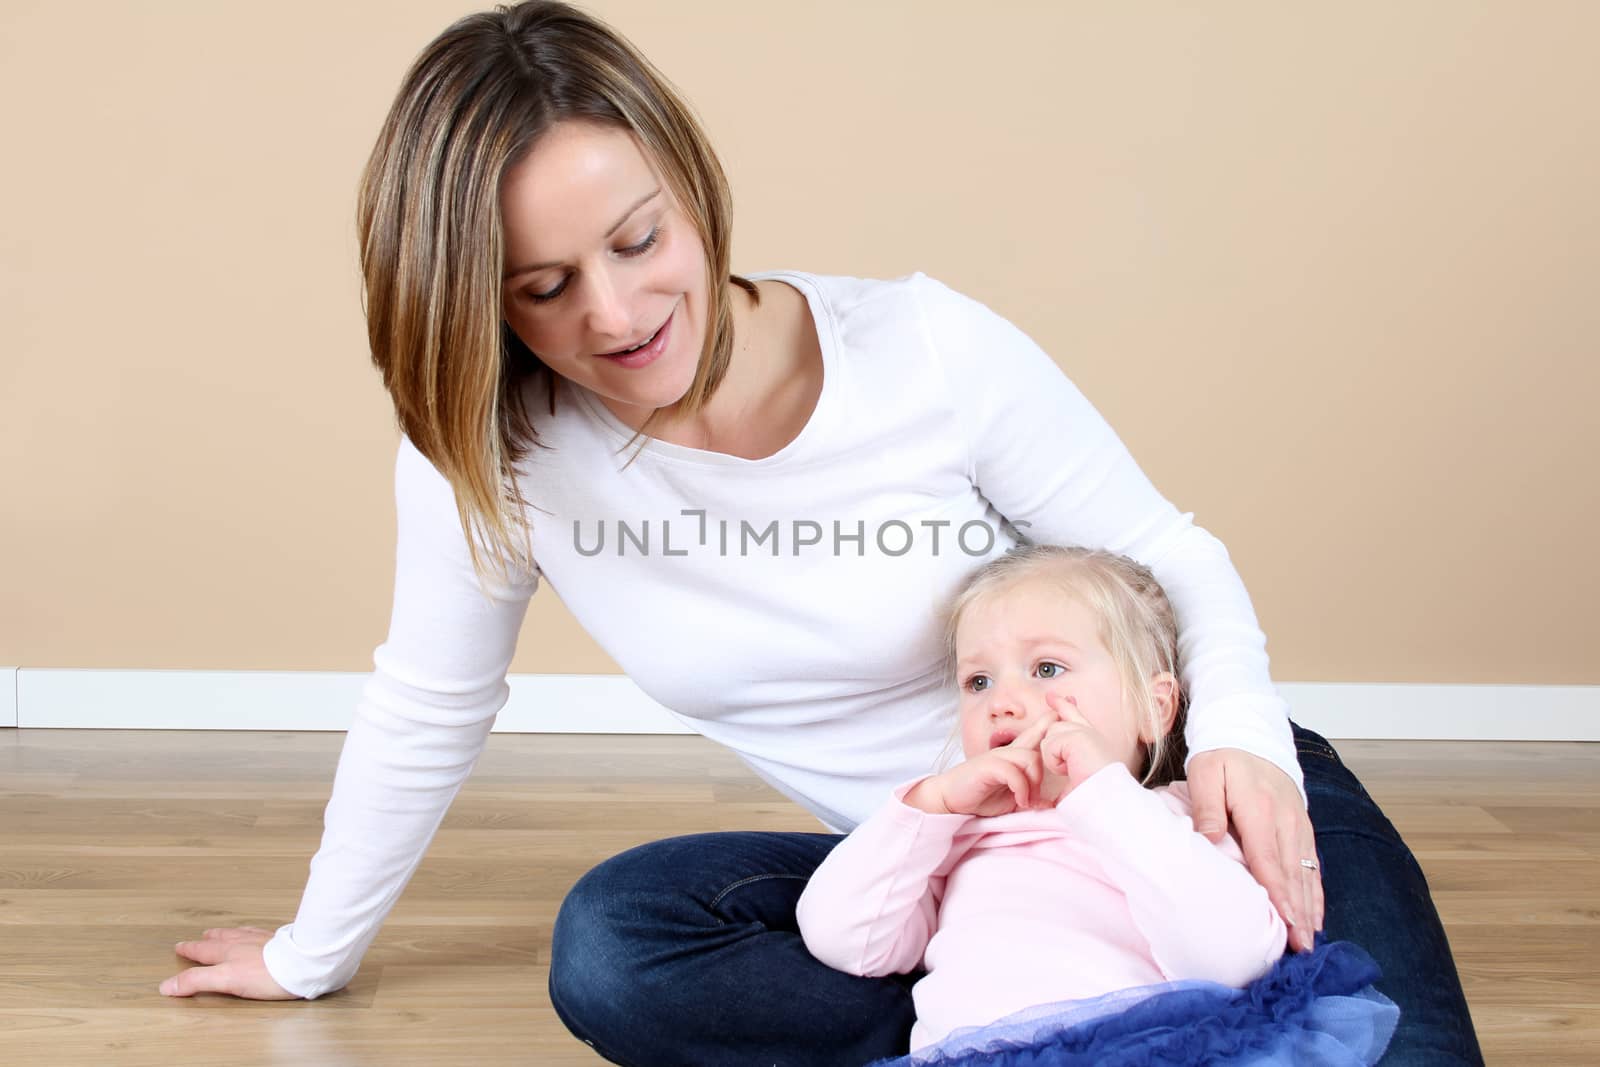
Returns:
(1274, 831)
(231, 963)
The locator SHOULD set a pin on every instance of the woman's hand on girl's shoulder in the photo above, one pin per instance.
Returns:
(1275, 834)
(231, 963)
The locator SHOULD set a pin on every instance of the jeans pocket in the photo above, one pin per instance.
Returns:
(1313, 750)
(1322, 766)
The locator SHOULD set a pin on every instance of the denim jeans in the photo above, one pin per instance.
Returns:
(686, 951)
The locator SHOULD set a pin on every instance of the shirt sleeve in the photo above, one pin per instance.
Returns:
(1202, 912)
(1051, 466)
(872, 905)
(419, 727)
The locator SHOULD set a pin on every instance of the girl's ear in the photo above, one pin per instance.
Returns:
(1164, 691)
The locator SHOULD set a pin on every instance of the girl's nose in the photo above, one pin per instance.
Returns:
(1005, 704)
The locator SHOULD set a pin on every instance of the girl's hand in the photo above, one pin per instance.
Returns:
(1274, 831)
(997, 782)
(1073, 748)
(233, 965)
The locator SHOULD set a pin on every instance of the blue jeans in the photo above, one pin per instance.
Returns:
(686, 951)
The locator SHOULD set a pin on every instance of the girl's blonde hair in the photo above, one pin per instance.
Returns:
(473, 104)
(1137, 626)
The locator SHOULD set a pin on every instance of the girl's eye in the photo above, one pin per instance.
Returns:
(1050, 670)
(630, 252)
(977, 683)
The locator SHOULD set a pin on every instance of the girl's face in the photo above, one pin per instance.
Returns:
(1023, 642)
(599, 256)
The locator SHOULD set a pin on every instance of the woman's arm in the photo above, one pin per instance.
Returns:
(419, 727)
(873, 904)
(1047, 461)
(1202, 913)
(424, 717)
(1050, 464)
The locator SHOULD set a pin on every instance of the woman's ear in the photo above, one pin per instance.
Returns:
(1164, 692)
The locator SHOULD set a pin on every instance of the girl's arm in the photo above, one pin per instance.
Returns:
(873, 904)
(1202, 913)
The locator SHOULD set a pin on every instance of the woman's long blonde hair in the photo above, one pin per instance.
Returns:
(1137, 626)
(428, 216)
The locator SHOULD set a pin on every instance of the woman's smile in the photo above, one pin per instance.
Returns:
(649, 351)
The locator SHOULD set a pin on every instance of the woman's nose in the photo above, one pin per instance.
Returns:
(609, 316)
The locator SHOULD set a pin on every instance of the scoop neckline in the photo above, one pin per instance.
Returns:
(806, 285)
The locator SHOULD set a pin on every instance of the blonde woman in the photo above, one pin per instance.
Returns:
(545, 242)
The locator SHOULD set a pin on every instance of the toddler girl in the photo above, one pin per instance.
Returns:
(1057, 865)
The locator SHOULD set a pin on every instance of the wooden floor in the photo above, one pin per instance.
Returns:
(113, 845)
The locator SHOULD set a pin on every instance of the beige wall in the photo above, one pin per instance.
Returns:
(1329, 269)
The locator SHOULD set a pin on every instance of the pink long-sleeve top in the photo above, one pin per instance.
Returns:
(1110, 889)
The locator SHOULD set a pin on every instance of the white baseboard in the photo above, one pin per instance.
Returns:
(592, 703)
(311, 700)
(1395, 711)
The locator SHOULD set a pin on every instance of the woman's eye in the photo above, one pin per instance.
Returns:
(540, 298)
(643, 246)
(1050, 670)
(632, 250)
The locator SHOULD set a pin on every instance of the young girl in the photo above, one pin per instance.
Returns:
(1058, 863)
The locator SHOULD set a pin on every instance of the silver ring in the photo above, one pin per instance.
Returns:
(1310, 865)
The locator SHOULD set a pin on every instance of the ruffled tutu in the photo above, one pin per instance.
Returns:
(1313, 1009)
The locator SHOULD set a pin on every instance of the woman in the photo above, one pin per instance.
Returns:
(753, 492)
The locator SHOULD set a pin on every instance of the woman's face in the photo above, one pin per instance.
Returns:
(599, 256)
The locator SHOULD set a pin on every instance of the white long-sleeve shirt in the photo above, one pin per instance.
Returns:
(786, 607)
(1110, 889)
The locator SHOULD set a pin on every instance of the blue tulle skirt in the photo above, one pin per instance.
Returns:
(1313, 1009)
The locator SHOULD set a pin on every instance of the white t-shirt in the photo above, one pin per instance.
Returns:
(787, 607)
